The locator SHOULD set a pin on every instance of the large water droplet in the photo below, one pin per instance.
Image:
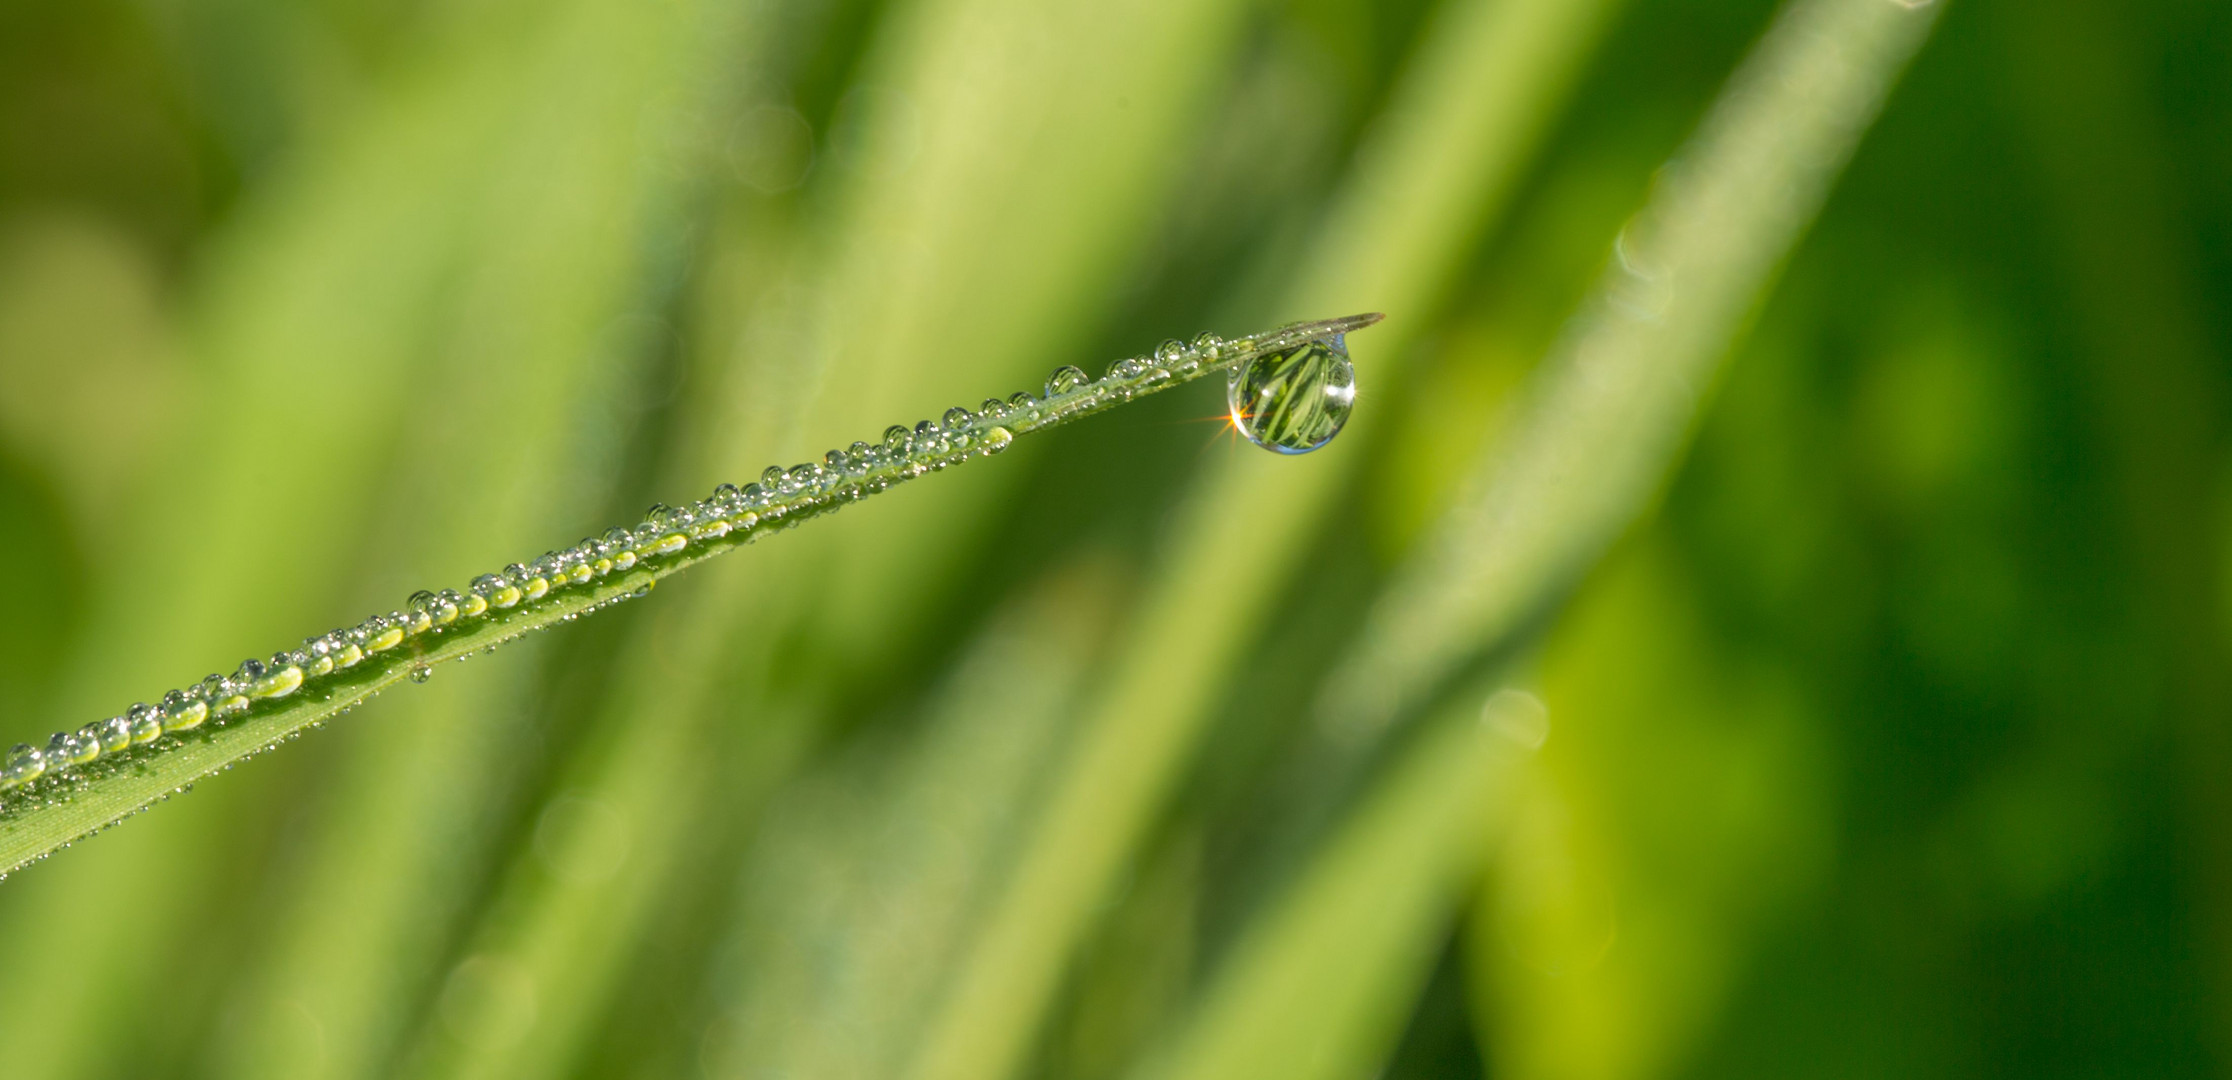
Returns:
(1293, 402)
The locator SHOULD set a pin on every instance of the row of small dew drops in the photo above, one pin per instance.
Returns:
(841, 476)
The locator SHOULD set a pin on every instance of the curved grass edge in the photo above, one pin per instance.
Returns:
(52, 808)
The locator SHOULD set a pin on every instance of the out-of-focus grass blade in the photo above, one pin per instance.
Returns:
(1319, 986)
(1489, 78)
(857, 902)
(974, 136)
(574, 210)
(307, 327)
(1680, 809)
(1621, 388)
(2128, 246)
(1462, 122)
(1609, 418)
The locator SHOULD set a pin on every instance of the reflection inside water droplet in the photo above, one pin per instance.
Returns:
(1295, 401)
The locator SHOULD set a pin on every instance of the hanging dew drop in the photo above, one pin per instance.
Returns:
(1296, 400)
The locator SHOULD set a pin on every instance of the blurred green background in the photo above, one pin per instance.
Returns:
(1892, 741)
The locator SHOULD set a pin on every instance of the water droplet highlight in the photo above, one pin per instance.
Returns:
(1295, 400)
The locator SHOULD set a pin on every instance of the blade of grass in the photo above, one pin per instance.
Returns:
(1462, 122)
(57, 808)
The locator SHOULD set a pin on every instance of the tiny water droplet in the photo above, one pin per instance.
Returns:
(183, 713)
(997, 439)
(281, 681)
(1066, 378)
(421, 673)
(385, 633)
(1296, 400)
(76, 748)
(147, 723)
(23, 764)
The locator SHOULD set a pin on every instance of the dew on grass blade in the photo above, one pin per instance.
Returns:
(1294, 400)
(1297, 386)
